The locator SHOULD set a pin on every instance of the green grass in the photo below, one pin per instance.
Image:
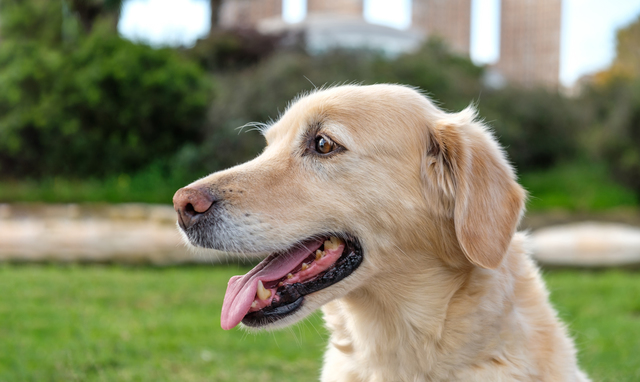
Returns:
(109, 323)
(602, 310)
(139, 324)
(150, 186)
(576, 187)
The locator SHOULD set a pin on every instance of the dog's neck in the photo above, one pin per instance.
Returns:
(403, 318)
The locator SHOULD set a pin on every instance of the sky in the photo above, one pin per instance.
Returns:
(587, 38)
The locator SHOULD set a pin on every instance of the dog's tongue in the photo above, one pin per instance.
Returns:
(241, 290)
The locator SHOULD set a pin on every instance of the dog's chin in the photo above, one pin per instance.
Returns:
(309, 305)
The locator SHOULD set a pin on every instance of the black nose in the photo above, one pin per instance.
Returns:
(191, 204)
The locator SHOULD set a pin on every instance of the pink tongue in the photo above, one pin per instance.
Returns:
(241, 290)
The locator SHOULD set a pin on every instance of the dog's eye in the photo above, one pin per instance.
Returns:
(324, 145)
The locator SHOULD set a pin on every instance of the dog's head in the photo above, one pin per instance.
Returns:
(352, 179)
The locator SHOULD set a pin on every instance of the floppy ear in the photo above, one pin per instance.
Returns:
(470, 168)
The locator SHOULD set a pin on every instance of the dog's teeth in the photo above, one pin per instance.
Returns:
(254, 304)
(263, 293)
(305, 266)
(332, 243)
(289, 276)
(280, 284)
(319, 254)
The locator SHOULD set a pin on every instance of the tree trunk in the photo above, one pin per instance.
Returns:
(215, 15)
(89, 11)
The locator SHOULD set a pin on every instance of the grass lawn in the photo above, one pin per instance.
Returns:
(109, 323)
(576, 187)
(570, 186)
(147, 187)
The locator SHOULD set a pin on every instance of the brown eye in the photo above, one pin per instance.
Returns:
(324, 145)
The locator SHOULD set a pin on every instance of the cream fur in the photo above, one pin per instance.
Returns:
(446, 291)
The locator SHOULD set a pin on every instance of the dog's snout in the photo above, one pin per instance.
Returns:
(192, 203)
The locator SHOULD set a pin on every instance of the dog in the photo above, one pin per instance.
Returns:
(399, 220)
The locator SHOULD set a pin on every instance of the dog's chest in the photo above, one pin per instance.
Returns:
(362, 351)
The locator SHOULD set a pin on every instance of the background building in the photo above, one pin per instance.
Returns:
(529, 38)
(249, 13)
(449, 20)
(530, 42)
(336, 7)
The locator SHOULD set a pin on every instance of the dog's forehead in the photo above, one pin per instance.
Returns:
(347, 110)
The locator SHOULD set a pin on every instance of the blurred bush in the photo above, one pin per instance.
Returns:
(538, 128)
(93, 106)
(32, 20)
(616, 129)
(232, 49)
(451, 80)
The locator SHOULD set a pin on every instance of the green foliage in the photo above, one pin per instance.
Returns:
(626, 65)
(107, 323)
(32, 20)
(627, 61)
(538, 128)
(617, 133)
(576, 186)
(28, 75)
(451, 80)
(104, 106)
(232, 49)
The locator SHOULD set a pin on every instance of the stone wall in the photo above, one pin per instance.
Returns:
(147, 234)
(125, 233)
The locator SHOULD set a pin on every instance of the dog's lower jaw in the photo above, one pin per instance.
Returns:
(423, 350)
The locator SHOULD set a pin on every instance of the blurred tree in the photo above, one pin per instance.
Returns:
(453, 80)
(36, 20)
(96, 106)
(626, 64)
(627, 59)
(616, 127)
(233, 49)
(613, 100)
(45, 20)
(538, 128)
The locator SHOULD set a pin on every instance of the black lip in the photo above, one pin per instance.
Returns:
(291, 297)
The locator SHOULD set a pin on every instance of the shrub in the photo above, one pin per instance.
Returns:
(619, 124)
(104, 106)
(32, 20)
(227, 49)
(451, 80)
(538, 128)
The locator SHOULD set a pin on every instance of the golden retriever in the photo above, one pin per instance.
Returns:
(399, 220)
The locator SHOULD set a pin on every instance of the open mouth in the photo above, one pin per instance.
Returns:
(276, 287)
